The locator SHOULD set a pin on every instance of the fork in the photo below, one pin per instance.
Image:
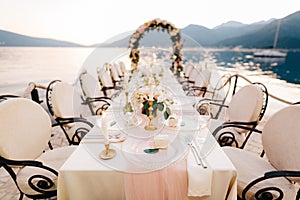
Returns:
(196, 154)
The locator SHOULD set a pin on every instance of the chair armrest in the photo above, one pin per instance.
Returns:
(282, 173)
(205, 103)
(214, 102)
(228, 138)
(31, 163)
(193, 89)
(64, 121)
(42, 184)
(79, 133)
(16, 163)
(186, 81)
(7, 96)
(267, 191)
(98, 99)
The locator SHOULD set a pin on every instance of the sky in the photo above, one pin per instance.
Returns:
(95, 21)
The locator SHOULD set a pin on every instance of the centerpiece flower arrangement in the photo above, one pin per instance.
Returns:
(161, 101)
(157, 105)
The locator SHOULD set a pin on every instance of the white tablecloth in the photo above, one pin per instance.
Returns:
(84, 177)
(133, 174)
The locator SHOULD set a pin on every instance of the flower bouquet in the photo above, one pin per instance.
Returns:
(161, 106)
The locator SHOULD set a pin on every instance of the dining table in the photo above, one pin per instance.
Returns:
(177, 159)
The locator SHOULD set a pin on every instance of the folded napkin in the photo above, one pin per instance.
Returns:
(199, 178)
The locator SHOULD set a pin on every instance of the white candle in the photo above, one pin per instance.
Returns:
(151, 93)
(126, 80)
(104, 127)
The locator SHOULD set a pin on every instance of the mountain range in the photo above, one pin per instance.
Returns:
(231, 34)
(13, 39)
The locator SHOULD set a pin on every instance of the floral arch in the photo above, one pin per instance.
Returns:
(159, 25)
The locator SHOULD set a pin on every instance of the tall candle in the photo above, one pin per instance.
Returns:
(151, 93)
(126, 80)
(104, 127)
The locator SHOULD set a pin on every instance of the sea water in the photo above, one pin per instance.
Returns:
(41, 65)
(21, 65)
(287, 68)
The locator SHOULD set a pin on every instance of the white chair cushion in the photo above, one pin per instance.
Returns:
(114, 72)
(123, 67)
(246, 104)
(187, 69)
(25, 129)
(203, 78)
(249, 167)
(90, 86)
(62, 100)
(194, 74)
(105, 78)
(118, 68)
(54, 158)
(280, 139)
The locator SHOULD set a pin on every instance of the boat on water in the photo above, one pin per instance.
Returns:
(272, 53)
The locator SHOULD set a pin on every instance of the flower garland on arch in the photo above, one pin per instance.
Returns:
(160, 25)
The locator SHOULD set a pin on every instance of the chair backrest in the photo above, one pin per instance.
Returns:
(115, 72)
(203, 78)
(62, 99)
(105, 76)
(25, 129)
(119, 69)
(187, 69)
(89, 85)
(246, 104)
(194, 74)
(281, 137)
(123, 67)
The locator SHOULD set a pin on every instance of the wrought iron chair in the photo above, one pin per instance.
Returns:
(191, 79)
(117, 72)
(30, 92)
(108, 86)
(122, 67)
(7, 96)
(218, 96)
(61, 105)
(186, 73)
(21, 148)
(278, 176)
(92, 96)
(243, 113)
(201, 84)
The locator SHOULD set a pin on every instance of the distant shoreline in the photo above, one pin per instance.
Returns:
(187, 48)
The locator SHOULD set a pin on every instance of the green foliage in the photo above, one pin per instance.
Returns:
(156, 106)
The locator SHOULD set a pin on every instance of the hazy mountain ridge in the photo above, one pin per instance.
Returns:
(230, 34)
(13, 39)
(263, 37)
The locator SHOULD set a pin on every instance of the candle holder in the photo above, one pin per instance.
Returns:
(150, 126)
(107, 153)
(127, 107)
